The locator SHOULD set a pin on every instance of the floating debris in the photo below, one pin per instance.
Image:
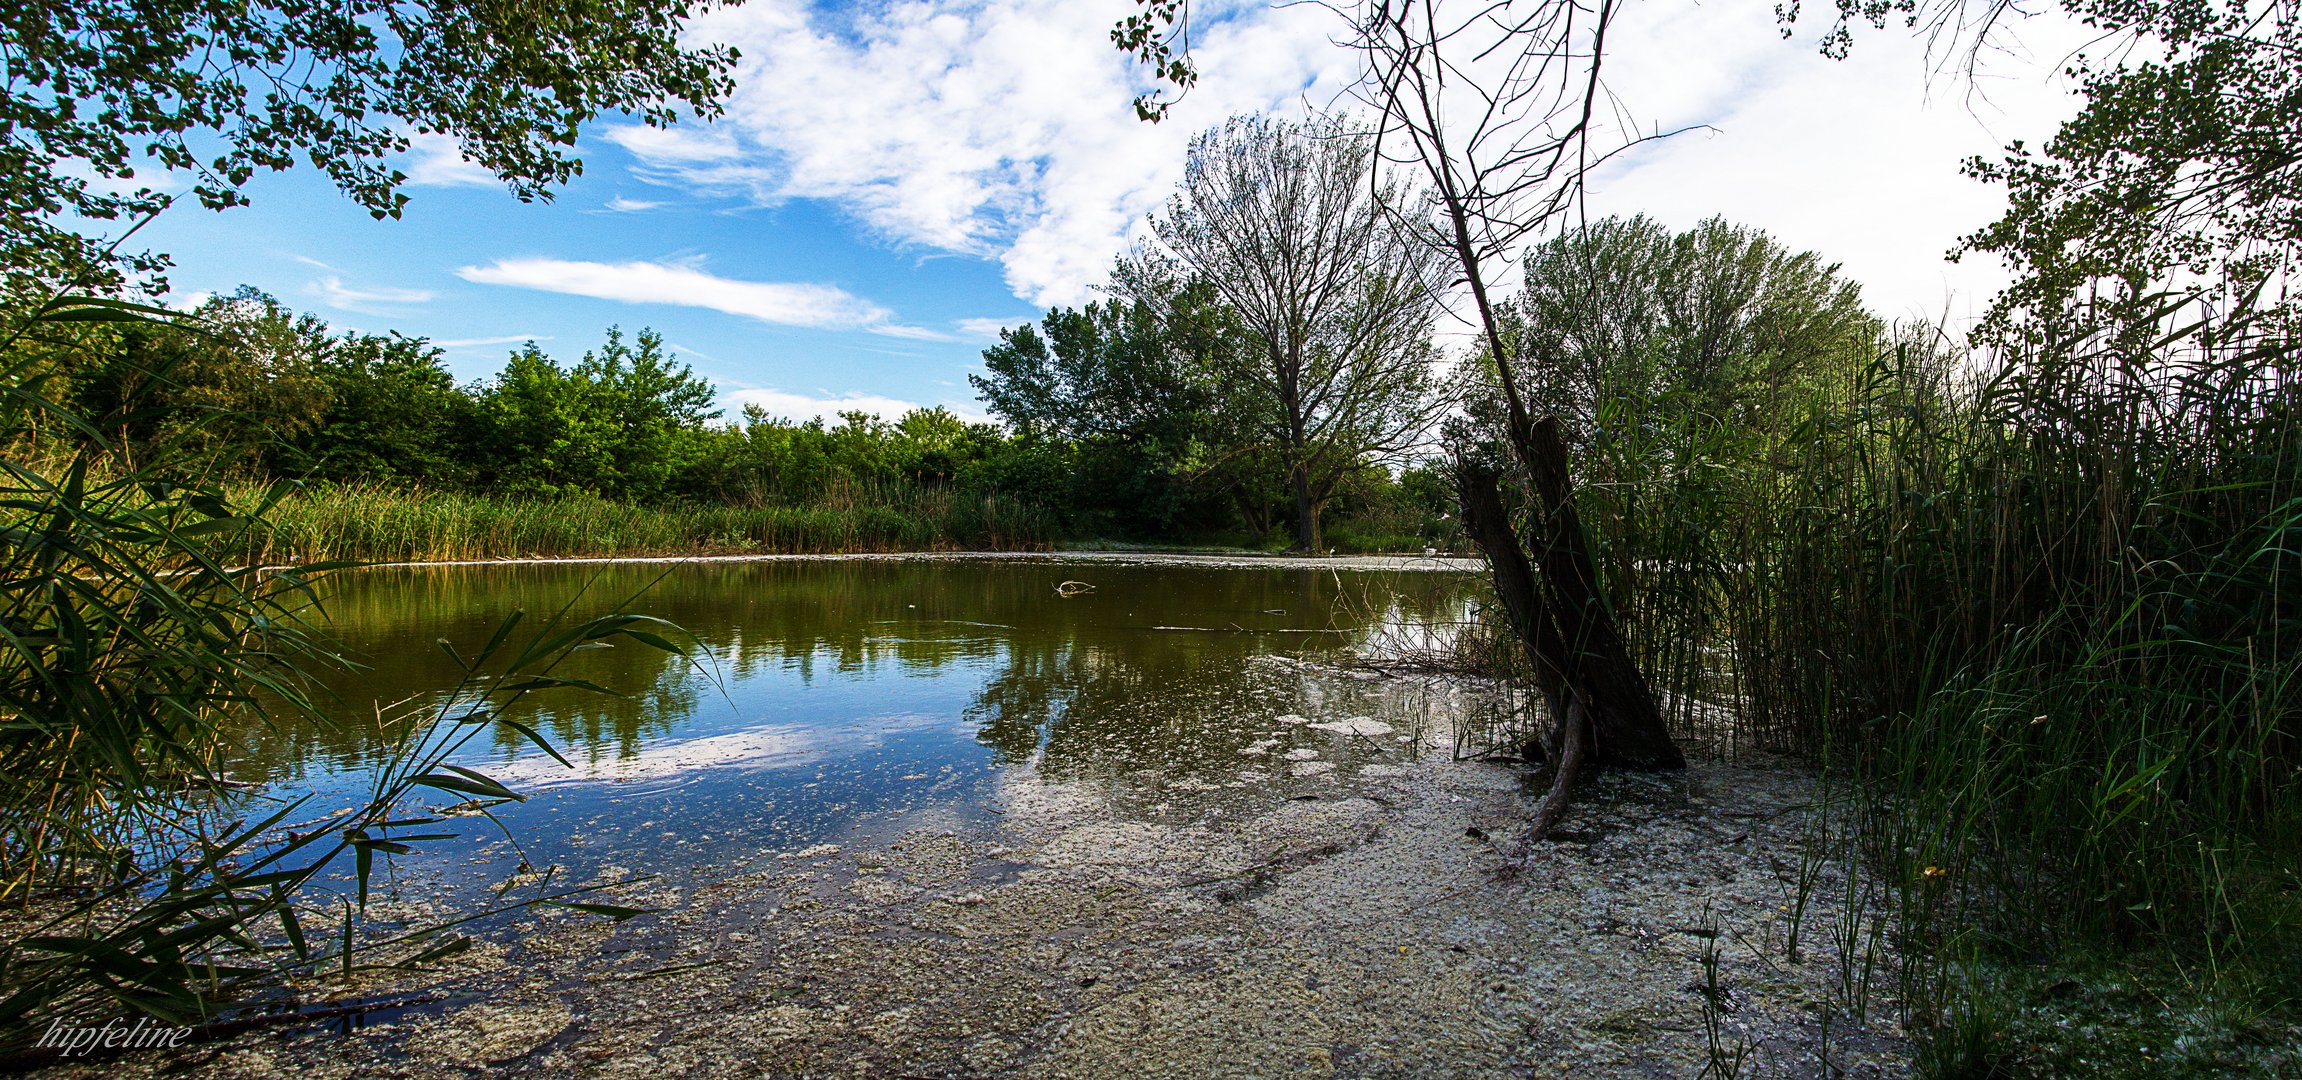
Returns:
(1311, 768)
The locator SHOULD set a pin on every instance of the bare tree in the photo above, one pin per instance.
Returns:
(1326, 275)
(1500, 104)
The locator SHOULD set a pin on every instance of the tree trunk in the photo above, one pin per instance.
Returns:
(1306, 513)
(1255, 510)
(1600, 706)
(1489, 526)
(1627, 727)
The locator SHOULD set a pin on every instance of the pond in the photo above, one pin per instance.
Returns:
(837, 699)
(937, 816)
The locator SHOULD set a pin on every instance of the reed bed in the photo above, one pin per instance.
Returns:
(373, 523)
(2042, 612)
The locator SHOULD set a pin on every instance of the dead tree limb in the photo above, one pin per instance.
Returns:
(1573, 739)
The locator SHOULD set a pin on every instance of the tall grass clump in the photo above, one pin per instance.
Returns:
(381, 523)
(2043, 609)
(2055, 601)
(2057, 608)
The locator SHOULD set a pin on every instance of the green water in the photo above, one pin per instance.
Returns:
(847, 696)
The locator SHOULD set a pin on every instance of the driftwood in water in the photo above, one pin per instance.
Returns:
(1601, 707)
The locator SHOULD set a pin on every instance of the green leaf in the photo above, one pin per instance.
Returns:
(540, 742)
(466, 782)
(613, 911)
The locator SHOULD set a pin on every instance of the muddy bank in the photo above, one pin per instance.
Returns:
(1311, 913)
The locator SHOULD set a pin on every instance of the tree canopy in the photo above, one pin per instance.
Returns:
(2170, 207)
(107, 104)
(1712, 321)
(1317, 255)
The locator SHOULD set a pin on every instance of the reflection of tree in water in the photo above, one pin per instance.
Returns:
(1103, 702)
(1019, 706)
(658, 689)
(1177, 703)
(1085, 675)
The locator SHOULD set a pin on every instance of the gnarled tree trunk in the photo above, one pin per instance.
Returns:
(1601, 707)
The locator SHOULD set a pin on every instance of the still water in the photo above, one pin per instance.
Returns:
(841, 697)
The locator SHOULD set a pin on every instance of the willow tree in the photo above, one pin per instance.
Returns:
(1324, 271)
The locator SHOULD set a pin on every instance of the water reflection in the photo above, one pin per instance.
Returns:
(844, 689)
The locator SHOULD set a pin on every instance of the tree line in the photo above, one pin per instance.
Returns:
(260, 392)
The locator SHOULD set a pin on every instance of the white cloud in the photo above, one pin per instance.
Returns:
(827, 405)
(681, 144)
(790, 406)
(1003, 131)
(1857, 159)
(784, 303)
(332, 291)
(988, 329)
(622, 205)
(436, 160)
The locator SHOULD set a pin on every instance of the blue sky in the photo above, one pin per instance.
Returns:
(313, 249)
(893, 181)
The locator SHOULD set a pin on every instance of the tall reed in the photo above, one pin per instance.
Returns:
(378, 523)
(2044, 607)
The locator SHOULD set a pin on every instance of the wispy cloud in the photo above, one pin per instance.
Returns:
(912, 333)
(1003, 131)
(436, 160)
(372, 301)
(996, 130)
(791, 406)
(622, 205)
(668, 144)
(483, 342)
(988, 329)
(821, 307)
